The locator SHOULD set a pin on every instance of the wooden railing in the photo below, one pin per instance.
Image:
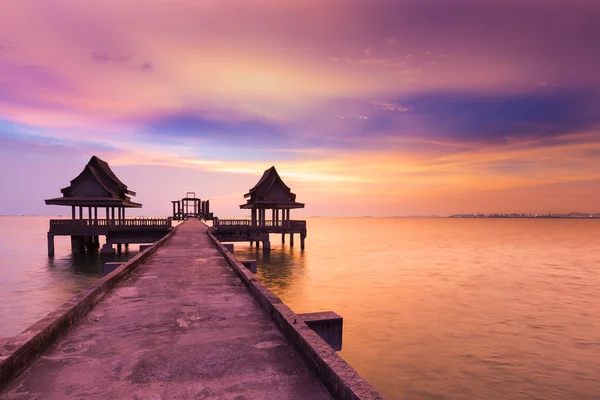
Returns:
(68, 225)
(232, 224)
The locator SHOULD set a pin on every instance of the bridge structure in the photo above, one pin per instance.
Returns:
(191, 207)
(182, 319)
(269, 194)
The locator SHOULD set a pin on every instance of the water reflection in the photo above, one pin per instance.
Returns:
(279, 268)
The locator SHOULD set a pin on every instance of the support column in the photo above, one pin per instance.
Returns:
(77, 244)
(291, 239)
(302, 238)
(96, 214)
(107, 213)
(51, 243)
(119, 248)
(73, 213)
(80, 212)
(174, 216)
(90, 213)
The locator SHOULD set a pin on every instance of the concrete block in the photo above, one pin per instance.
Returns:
(328, 325)
(144, 247)
(111, 266)
(229, 247)
(250, 264)
(107, 249)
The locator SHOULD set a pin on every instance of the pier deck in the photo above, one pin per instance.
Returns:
(183, 326)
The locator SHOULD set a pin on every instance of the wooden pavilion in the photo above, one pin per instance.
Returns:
(98, 187)
(269, 193)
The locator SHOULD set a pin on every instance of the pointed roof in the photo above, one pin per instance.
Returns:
(271, 191)
(107, 189)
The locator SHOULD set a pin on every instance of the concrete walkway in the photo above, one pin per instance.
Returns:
(182, 327)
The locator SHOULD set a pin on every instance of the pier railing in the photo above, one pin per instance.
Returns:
(269, 225)
(85, 226)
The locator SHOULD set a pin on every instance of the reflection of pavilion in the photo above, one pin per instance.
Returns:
(98, 187)
(270, 193)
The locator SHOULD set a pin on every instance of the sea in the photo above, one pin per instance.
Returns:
(433, 308)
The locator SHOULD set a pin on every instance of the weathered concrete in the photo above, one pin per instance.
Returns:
(250, 264)
(328, 325)
(340, 378)
(22, 350)
(183, 326)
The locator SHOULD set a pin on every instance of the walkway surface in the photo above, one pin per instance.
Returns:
(183, 326)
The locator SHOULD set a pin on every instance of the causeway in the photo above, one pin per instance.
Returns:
(183, 326)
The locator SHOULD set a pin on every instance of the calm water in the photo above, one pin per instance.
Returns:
(433, 308)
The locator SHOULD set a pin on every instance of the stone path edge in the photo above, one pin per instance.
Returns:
(337, 375)
(18, 353)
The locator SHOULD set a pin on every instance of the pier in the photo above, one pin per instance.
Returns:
(187, 323)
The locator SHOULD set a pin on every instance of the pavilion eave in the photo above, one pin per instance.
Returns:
(268, 204)
(92, 202)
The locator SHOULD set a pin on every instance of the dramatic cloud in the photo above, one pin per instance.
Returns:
(420, 104)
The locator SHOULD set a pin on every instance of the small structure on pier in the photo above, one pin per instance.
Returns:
(191, 207)
(97, 187)
(270, 193)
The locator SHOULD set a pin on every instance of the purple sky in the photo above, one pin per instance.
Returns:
(365, 108)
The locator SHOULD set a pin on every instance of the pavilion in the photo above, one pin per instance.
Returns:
(98, 187)
(270, 193)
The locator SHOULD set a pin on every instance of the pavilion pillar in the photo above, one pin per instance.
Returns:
(95, 213)
(273, 215)
(302, 238)
(80, 212)
(73, 212)
(291, 239)
(174, 216)
(107, 214)
(123, 212)
(90, 213)
(51, 242)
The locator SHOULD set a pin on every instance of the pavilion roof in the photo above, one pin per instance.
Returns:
(271, 191)
(97, 173)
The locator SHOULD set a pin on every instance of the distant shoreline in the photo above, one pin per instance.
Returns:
(524, 217)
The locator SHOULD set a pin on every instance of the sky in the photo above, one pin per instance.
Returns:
(380, 108)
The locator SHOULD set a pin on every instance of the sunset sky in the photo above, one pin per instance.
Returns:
(372, 107)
